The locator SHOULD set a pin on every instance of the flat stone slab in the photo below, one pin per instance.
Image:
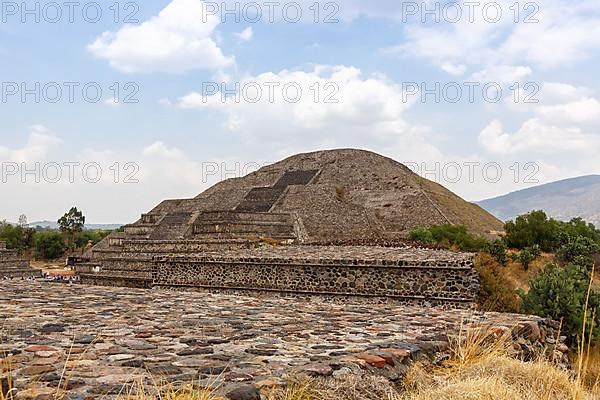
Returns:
(105, 338)
(351, 255)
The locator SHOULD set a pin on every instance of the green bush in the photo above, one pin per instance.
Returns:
(449, 236)
(457, 235)
(560, 293)
(497, 249)
(49, 245)
(421, 235)
(578, 227)
(525, 257)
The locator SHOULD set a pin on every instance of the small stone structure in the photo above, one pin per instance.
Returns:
(128, 262)
(12, 266)
(367, 273)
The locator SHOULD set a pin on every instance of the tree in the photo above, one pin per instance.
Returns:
(23, 221)
(49, 245)
(578, 227)
(458, 236)
(16, 237)
(71, 224)
(531, 229)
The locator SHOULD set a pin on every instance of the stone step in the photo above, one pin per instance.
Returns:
(233, 216)
(227, 224)
(249, 235)
(259, 229)
(20, 273)
(115, 280)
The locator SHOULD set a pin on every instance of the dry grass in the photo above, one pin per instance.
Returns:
(305, 390)
(591, 362)
(503, 378)
(140, 391)
(480, 368)
(518, 277)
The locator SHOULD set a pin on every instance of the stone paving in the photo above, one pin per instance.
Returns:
(243, 345)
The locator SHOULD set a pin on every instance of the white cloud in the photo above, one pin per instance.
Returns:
(557, 92)
(351, 110)
(579, 111)
(245, 35)
(562, 121)
(111, 102)
(109, 185)
(178, 39)
(39, 144)
(560, 134)
(502, 74)
(565, 33)
(538, 137)
(454, 69)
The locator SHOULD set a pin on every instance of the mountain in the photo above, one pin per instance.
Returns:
(319, 197)
(565, 199)
(53, 225)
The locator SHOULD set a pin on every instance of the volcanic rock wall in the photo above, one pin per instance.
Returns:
(371, 274)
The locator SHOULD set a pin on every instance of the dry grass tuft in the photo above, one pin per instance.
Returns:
(476, 344)
(140, 391)
(306, 390)
(591, 376)
(504, 378)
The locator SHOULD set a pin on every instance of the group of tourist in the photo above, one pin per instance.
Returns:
(10, 278)
(46, 277)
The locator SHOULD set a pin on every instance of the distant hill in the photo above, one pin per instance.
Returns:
(53, 225)
(575, 197)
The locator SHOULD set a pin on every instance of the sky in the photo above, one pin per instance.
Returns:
(114, 106)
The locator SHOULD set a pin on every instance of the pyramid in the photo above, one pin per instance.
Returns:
(320, 197)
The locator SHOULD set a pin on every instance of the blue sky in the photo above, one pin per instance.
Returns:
(176, 140)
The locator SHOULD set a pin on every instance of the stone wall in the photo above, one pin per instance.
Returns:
(12, 266)
(414, 276)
